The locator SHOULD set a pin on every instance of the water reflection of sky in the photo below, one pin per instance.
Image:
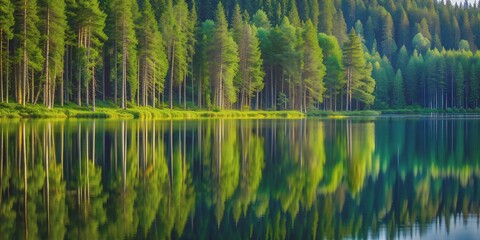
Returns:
(460, 228)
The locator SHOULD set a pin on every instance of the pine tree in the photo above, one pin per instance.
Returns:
(412, 76)
(249, 78)
(398, 95)
(403, 28)
(287, 44)
(191, 42)
(28, 52)
(360, 84)
(54, 26)
(174, 24)
(224, 65)
(370, 36)
(340, 29)
(90, 23)
(474, 87)
(6, 33)
(293, 15)
(334, 79)
(388, 42)
(260, 20)
(255, 69)
(153, 60)
(327, 11)
(202, 63)
(459, 86)
(313, 69)
(382, 92)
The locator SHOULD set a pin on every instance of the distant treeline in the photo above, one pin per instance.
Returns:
(240, 54)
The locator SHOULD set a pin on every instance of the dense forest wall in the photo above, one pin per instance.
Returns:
(266, 54)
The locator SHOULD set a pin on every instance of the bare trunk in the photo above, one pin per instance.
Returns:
(115, 97)
(25, 60)
(103, 79)
(171, 76)
(153, 89)
(87, 45)
(1, 65)
(7, 75)
(46, 90)
(79, 79)
(93, 88)
(185, 93)
(124, 61)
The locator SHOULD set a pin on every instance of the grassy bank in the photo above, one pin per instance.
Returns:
(106, 110)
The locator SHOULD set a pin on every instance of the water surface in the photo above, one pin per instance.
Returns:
(240, 179)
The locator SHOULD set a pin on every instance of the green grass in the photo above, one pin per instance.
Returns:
(108, 110)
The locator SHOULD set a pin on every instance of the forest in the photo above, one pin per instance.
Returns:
(238, 54)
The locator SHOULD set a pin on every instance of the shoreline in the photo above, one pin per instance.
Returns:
(109, 111)
(15, 111)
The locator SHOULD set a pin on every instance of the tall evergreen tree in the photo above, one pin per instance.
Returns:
(360, 84)
(398, 95)
(28, 53)
(313, 68)
(460, 86)
(224, 65)
(153, 60)
(202, 63)
(340, 29)
(334, 79)
(388, 42)
(174, 29)
(6, 34)
(90, 23)
(54, 27)
(327, 11)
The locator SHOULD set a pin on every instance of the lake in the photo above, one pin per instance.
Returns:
(387, 177)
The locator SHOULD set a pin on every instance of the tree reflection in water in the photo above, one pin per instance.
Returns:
(208, 179)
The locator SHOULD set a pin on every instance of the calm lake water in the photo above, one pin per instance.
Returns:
(240, 179)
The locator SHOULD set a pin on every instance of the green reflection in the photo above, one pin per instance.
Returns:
(236, 179)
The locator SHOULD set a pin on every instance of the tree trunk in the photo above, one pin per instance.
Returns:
(79, 79)
(25, 60)
(153, 92)
(1, 66)
(116, 70)
(103, 78)
(46, 90)
(124, 62)
(93, 88)
(7, 74)
(185, 93)
(171, 76)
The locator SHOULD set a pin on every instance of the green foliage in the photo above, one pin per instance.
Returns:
(421, 43)
(152, 54)
(248, 64)
(398, 95)
(225, 65)
(313, 67)
(334, 78)
(360, 85)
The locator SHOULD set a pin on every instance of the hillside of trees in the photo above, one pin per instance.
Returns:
(240, 54)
